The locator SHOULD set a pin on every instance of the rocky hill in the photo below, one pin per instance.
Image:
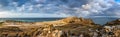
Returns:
(68, 21)
(67, 27)
(76, 20)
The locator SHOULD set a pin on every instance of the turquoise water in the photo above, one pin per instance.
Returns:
(96, 20)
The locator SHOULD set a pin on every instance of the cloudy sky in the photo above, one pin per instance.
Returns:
(59, 8)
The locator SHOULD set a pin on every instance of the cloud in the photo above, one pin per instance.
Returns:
(80, 8)
(7, 14)
(94, 7)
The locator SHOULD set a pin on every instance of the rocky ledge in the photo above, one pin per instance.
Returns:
(67, 27)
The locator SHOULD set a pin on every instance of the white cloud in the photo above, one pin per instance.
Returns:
(7, 14)
(106, 16)
(117, 13)
(39, 1)
(14, 4)
(72, 8)
(94, 7)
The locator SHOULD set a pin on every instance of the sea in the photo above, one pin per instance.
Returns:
(98, 20)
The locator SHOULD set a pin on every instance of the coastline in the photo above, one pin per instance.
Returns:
(71, 26)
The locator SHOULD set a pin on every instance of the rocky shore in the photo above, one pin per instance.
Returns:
(67, 27)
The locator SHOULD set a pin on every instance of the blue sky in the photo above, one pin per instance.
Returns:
(117, 0)
(59, 8)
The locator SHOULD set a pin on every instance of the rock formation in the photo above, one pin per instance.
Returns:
(68, 27)
(77, 20)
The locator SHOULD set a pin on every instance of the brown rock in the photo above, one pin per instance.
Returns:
(75, 26)
(76, 20)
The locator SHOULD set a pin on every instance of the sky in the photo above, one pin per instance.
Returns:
(59, 8)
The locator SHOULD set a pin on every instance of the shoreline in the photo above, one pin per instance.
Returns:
(71, 26)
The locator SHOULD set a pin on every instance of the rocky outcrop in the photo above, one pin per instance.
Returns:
(71, 26)
(76, 20)
(68, 21)
(113, 28)
(68, 27)
(12, 31)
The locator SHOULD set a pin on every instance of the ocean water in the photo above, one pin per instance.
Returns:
(31, 19)
(101, 21)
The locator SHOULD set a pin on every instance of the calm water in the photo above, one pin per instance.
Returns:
(96, 20)
(103, 20)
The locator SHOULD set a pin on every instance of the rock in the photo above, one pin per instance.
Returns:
(76, 20)
(72, 27)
